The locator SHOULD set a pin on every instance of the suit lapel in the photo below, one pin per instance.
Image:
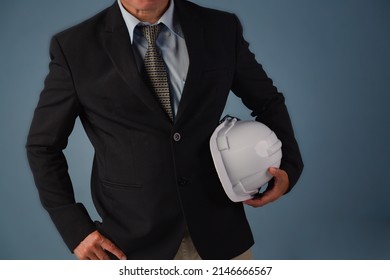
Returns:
(116, 41)
(193, 34)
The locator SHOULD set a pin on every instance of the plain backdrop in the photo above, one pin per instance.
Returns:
(331, 60)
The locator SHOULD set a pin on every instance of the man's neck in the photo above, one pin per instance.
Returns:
(149, 14)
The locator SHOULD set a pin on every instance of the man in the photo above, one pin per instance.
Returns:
(153, 180)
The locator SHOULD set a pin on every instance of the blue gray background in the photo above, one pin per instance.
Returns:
(331, 60)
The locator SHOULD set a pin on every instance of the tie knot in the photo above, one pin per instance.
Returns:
(151, 32)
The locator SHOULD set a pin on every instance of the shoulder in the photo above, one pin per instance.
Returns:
(204, 13)
(215, 21)
(87, 29)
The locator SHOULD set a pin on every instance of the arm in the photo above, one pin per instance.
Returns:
(258, 93)
(52, 124)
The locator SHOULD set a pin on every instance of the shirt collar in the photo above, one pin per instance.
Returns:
(168, 19)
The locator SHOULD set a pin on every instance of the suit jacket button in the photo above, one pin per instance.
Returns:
(176, 137)
(183, 181)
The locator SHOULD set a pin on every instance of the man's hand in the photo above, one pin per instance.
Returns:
(94, 247)
(281, 185)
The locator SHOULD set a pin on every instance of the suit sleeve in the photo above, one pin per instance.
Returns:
(53, 121)
(258, 93)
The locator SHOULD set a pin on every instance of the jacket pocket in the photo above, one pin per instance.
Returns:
(121, 186)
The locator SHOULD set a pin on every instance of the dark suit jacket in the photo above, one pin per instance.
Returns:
(150, 177)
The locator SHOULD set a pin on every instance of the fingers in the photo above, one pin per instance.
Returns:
(94, 247)
(281, 185)
(110, 247)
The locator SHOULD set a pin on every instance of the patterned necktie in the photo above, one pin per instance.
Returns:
(155, 69)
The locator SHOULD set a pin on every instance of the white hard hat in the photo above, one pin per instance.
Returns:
(242, 152)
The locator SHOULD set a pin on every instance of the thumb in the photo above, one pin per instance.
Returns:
(273, 171)
(280, 178)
